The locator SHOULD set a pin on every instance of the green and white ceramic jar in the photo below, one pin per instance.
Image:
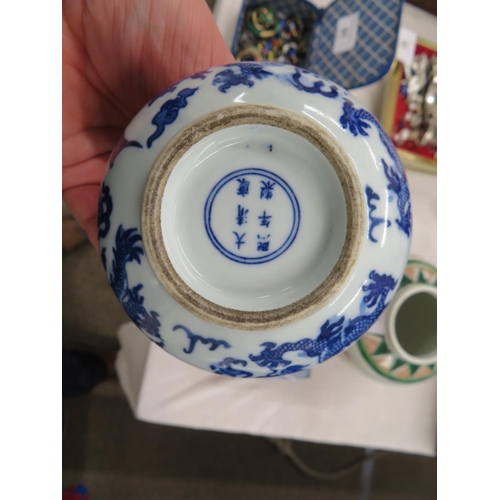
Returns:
(401, 347)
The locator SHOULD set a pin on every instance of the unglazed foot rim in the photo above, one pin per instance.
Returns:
(152, 229)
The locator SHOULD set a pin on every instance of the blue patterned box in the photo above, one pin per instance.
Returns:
(371, 57)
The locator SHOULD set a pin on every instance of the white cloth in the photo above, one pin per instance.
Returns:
(337, 404)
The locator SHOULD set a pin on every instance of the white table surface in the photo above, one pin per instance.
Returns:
(337, 404)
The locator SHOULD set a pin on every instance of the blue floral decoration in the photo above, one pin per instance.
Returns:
(168, 113)
(239, 74)
(128, 248)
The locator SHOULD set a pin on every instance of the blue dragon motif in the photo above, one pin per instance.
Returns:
(378, 288)
(168, 113)
(357, 121)
(286, 371)
(104, 258)
(104, 212)
(247, 72)
(122, 144)
(374, 221)
(353, 119)
(127, 249)
(333, 337)
(194, 338)
(321, 347)
(104, 218)
(225, 367)
(398, 185)
(317, 86)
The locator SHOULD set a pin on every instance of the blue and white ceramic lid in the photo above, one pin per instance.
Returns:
(353, 42)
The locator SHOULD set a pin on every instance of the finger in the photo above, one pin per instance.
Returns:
(83, 201)
(209, 49)
(187, 43)
(138, 48)
(89, 143)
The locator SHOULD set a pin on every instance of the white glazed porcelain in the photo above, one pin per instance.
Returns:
(254, 220)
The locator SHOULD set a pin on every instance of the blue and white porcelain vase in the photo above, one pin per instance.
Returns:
(254, 220)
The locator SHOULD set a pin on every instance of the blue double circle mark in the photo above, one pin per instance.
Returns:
(295, 209)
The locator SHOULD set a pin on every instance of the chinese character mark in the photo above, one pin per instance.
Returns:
(266, 191)
(265, 220)
(263, 246)
(243, 187)
(239, 239)
(263, 243)
(241, 218)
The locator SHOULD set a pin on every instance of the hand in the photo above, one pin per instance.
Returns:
(117, 55)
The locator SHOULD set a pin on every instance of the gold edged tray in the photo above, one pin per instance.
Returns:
(391, 90)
